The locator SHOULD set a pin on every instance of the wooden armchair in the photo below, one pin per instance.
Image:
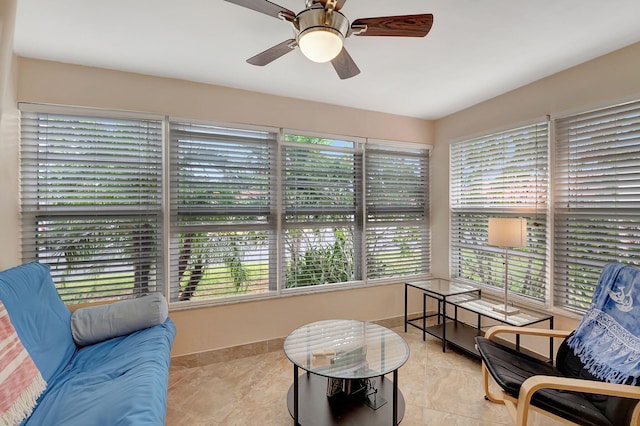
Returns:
(564, 391)
(596, 367)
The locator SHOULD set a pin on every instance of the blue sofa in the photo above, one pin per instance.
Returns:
(118, 381)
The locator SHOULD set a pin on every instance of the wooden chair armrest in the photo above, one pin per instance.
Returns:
(535, 383)
(508, 329)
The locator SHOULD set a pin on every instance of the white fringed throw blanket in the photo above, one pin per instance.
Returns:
(20, 381)
(607, 339)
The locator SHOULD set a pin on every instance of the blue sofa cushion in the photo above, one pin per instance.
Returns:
(120, 381)
(39, 316)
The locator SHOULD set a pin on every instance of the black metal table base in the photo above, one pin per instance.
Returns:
(315, 408)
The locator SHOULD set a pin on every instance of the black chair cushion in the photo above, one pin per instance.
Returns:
(617, 410)
(510, 369)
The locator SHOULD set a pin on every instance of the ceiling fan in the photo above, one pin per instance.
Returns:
(321, 28)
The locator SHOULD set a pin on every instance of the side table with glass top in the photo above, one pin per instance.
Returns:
(354, 355)
(483, 308)
(441, 290)
(461, 296)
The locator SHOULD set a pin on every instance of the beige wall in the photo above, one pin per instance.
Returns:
(7, 24)
(239, 323)
(9, 148)
(233, 324)
(57, 83)
(9, 236)
(606, 79)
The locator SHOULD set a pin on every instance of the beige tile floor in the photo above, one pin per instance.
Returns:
(439, 389)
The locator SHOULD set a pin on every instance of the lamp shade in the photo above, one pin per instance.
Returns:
(507, 231)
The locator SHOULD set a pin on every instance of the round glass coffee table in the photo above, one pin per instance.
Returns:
(345, 363)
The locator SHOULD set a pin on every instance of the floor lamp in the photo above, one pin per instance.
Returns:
(507, 232)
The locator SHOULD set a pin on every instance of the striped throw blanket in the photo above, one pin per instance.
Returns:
(20, 381)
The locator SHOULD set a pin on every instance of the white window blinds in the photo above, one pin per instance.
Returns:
(597, 199)
(122, 204)
(222, 201)
(321, 198)
(500, 175)
(397, 206)
(91, 203)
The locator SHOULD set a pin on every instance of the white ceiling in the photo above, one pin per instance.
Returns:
(476, 50)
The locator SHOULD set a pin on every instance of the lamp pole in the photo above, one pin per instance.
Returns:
(507, 233)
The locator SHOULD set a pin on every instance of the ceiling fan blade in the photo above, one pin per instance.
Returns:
(273, 53)
(344, 65)
(339, 3)
(263, 6)
(398, 26)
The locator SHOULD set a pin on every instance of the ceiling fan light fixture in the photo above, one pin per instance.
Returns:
(320, 44)
(320, 29)
(320, 34)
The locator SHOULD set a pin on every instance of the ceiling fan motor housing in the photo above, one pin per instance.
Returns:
(317, 19)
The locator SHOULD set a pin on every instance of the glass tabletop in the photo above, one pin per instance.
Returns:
(346, 349)
(485, 307)
(443, 287)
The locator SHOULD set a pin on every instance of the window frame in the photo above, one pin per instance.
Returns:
(355, 225)
(418, 218)
(567, 283)
(533, 206)
(215, 153)
(586, 269)
(167, 231)
(108, 278)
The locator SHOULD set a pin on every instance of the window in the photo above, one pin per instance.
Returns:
(597, 199)
(321, 199)
(503, 175)
(222, 219)
(118, 206)
(397, 230)
(91, 203)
